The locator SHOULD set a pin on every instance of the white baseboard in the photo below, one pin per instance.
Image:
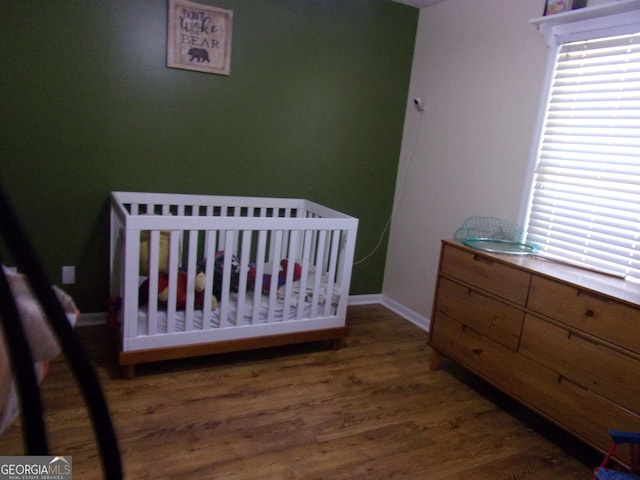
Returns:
(88, 319)
(414, 317)
(365, 299)
(408, 314)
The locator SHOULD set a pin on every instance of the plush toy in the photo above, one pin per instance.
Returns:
(181, 292)
(235, 274)
(218, 270)
(282, 275)
(163, 255)
(199, 287)
(201, 280)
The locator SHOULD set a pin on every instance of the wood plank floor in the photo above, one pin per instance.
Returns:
(371, 410)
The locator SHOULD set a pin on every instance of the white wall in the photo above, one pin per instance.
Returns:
(480, 67)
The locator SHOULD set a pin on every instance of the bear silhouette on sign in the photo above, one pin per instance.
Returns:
(199, 54)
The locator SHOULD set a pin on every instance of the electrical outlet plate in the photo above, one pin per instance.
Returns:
(68, 275)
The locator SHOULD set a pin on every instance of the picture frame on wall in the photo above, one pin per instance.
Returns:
(558, 6)
(199, 37)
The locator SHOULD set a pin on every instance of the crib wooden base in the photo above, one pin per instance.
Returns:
(128, 360)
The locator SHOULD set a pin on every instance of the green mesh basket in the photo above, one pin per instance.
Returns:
(489, 228)
(493, 234)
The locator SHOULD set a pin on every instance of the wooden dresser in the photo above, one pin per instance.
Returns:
(562, 340)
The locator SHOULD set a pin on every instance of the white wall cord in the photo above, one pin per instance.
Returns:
(400, 194)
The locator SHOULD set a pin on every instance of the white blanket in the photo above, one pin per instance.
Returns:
(42, 343)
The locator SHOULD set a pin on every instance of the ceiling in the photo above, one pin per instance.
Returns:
(419, 3)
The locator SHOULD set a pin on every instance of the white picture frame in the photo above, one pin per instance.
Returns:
(199, 37)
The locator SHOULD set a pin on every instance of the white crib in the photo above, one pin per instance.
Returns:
(160, 242)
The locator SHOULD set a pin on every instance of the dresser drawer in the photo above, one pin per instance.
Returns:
(473, 350)
(484, 272)
(608, 319)
(496, 320)
(576, 408)
(602, 370)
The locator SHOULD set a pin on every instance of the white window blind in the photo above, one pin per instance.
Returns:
(585, 203)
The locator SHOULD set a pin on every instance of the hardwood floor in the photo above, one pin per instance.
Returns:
(372, 410)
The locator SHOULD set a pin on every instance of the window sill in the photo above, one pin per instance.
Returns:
(553, 26)
(587, 13)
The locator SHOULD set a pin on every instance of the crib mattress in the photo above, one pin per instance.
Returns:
(235, 317)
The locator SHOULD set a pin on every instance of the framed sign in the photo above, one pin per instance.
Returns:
(559, 6)
(199, 37)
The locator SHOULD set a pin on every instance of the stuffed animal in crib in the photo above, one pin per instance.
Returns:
(163, 254)
(266, 278)
(251, 275)
(181, 292)
(218, 270)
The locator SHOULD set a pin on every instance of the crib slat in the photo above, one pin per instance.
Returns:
(331, 275)
(226, 279)
(286, 213)
(275, 268)
(116, 253)
(173, 280)
(154, 253)
(229, 243)
(346, 266)
(222, 235)
(191, 279)
(319, 264)
(130, 294)
(257, 288)
(209, 212)
(325, 263)
(209, 255)
(271, 257)
(294, 240)
(245, 254)
(306, 251)
(314, 246)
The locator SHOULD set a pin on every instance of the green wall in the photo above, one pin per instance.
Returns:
(313, 108)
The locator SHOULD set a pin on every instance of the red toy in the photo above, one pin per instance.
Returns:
(181, 292)
(282, 275)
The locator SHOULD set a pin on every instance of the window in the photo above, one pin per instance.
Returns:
(585, 195)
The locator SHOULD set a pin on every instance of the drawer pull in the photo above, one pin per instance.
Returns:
(475, 294)
(595, 296)
(477, 351)
(589, 313)
(469, 331)
(576, 336)
(567, 381)
(482, 259)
